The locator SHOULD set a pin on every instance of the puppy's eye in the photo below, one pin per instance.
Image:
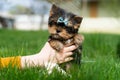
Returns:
(51, 23)
(71, 30)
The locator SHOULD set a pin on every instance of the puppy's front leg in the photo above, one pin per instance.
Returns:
(57, 45)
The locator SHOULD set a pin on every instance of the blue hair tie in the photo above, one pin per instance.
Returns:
(66, 22)
(62, 20)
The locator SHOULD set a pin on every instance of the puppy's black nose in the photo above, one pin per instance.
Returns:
(58, 31)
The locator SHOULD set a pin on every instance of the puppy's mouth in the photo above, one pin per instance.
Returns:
(56, 36)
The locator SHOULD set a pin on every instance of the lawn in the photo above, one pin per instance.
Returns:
(100, 59)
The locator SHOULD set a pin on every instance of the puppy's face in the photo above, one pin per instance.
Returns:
(62, 24)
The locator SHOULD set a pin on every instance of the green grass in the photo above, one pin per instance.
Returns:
(100, 48)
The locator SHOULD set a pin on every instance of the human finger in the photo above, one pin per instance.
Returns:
(67, 54)
(70, 48)
(66, 60)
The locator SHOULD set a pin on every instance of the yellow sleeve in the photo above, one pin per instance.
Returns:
(13, 61)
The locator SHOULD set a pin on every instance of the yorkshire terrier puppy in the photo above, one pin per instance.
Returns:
(63, 28)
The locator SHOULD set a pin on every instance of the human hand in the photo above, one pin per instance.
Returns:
(48, 54)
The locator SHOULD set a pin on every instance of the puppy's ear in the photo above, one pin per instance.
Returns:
(78, 19)
(53, 10)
